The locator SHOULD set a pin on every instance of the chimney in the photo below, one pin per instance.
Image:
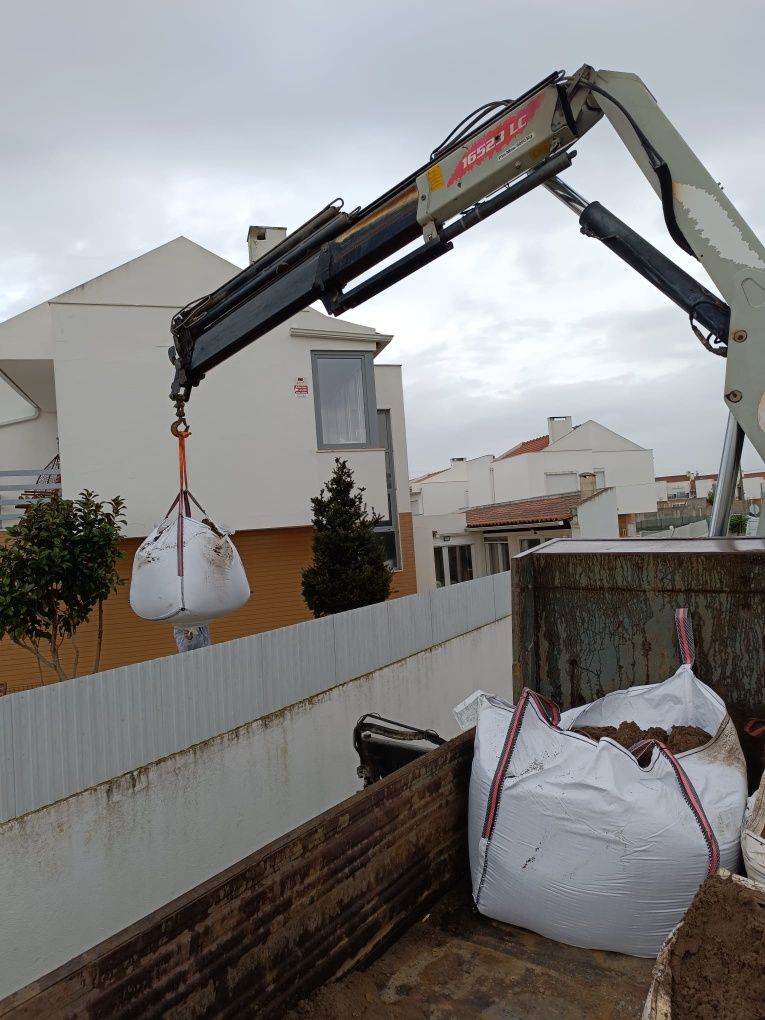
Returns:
(586, 483)
(558, 427)
(262, 239)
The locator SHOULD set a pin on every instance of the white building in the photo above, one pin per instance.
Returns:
(583, 480)
(91, 378)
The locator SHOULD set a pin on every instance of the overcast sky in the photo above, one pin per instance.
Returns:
(125, 125)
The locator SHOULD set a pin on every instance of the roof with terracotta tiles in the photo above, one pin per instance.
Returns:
(528, 446)
(539, 510)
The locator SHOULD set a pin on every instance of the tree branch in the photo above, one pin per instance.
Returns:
(37, 654)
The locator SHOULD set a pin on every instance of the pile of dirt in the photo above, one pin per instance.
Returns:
(679, 738)
(718, 958)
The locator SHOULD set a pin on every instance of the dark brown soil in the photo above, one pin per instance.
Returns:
(718, 958)
(679, 738)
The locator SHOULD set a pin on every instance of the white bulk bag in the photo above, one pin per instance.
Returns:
(187, 572)
(207, 581)
(577, 840)
(752, 839)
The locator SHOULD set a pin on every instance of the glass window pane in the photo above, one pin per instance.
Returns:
(491, 557)
(498, 554)
(341, 400)
(438, 556)
(466, 562)
(388, 539)
(529, 543)
(453, 565)
(460, 564)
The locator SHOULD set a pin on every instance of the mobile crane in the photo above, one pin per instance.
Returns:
(336, 892)
(497, 154)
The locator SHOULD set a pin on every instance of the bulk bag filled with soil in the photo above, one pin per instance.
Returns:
(187, 575)
(593, 844)
(187, 572)
(712, 965)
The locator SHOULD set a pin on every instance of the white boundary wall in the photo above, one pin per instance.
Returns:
(57, 740)
(81, 869)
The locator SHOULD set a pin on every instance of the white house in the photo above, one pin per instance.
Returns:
(91, 378)
(583, 480)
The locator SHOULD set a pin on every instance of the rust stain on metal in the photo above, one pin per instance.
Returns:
(258, 937)
(586, 622)
(395, 204)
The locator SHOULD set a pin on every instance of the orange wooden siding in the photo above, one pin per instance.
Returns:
(274, 560)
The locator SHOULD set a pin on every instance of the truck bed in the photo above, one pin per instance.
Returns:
(366, 907)
(456, 963)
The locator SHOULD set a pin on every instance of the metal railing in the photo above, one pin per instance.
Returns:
(650, 524)
(23, 487)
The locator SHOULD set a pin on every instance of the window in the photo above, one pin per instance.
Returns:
(600, 479)
(529, 543)
(498, 557)
(438, 555)
(460, 563)
(344, 395)
(388, 528)
(454, 563)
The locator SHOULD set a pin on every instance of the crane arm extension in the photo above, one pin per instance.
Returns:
(713, 229)
(475, 175)
(527, 140)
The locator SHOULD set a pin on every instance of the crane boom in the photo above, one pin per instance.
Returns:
(509, 149)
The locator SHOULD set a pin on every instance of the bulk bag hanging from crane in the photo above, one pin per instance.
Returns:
(187, 572)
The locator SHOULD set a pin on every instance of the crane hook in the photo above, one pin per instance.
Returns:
(180, 424)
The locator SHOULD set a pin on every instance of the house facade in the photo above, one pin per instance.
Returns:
(581, 481)
(90, 375)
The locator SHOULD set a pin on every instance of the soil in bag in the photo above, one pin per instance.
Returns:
(679, 738)
(717, 961)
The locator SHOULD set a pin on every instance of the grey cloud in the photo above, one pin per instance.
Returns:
(129, 124)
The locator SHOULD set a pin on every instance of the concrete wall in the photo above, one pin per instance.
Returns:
(273, 558)
(253, 459)
(463, 484)
(28, 444)
(83, 868)
(590, 447)
(698, 529)
(598, 516)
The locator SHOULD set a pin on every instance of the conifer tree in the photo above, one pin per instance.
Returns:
(348, 568)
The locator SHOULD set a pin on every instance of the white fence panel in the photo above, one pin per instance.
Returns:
(60, 739)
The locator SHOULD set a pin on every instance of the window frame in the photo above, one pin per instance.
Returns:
(444, 551)
(370, 398)
(502, 549)
(391, 524)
